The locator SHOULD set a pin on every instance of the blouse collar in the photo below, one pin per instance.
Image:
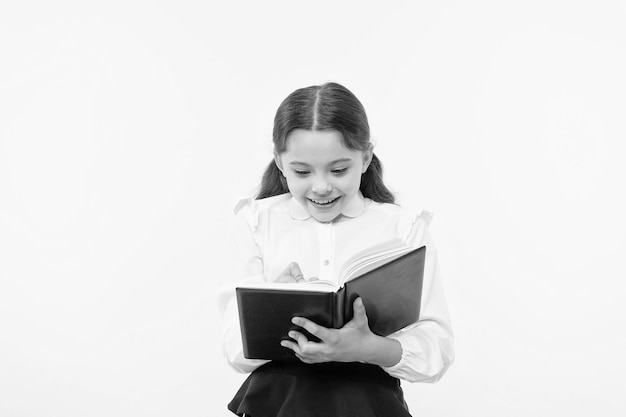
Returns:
(353, 209)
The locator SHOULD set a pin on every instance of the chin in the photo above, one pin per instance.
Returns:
(325, 217)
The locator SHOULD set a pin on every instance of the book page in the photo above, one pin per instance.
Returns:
(370, 258)
(316, 285)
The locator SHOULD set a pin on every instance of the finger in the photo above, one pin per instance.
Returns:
(293, 269)
(360, 315)
(297, 346)
(305, 350)
(300, 339)
(291, 345)
(284, 278)
(291, 273)
(315, 329)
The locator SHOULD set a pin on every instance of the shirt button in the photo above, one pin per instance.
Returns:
(326, 262)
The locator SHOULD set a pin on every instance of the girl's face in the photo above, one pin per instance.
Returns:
(322, 174)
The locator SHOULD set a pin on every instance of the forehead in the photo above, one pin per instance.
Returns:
(304, 145)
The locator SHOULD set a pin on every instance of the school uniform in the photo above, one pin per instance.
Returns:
(272, 232)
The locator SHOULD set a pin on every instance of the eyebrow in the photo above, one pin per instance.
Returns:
(336, 161)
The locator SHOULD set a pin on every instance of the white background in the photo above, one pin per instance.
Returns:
(128, 130)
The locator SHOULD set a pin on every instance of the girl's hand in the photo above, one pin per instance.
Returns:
(291, 274)
(354, 342)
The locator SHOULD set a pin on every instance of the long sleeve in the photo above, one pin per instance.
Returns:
(428, 345)
(248, 264)
(268, 235)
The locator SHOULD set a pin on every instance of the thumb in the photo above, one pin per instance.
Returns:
(360, 315)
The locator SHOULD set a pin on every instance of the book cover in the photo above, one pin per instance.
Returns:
(387, 277)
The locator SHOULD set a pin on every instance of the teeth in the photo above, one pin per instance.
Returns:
(323, 203)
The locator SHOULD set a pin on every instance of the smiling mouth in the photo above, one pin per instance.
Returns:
(323, 203)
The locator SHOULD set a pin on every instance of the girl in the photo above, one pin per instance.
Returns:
(322, 199)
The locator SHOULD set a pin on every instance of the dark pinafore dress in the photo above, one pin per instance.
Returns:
(295, 389)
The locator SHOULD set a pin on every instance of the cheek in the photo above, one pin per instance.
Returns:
(352, 182)
(296, 185)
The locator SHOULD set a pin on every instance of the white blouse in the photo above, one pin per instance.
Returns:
(272, 232)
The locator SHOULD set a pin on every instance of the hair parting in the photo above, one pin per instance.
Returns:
(329, 106)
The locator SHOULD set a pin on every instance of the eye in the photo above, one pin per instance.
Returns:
(339, 171)
(300, 172)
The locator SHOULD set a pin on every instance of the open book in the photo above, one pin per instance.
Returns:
(388, 277)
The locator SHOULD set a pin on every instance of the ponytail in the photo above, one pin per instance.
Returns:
(326, 107)
(273, 183)
(372, 185)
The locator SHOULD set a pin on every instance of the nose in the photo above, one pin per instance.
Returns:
(321, 185)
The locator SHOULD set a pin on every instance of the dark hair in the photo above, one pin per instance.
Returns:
(330, 106)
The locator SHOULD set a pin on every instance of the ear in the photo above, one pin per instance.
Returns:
(278, 163)
(367, 159)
